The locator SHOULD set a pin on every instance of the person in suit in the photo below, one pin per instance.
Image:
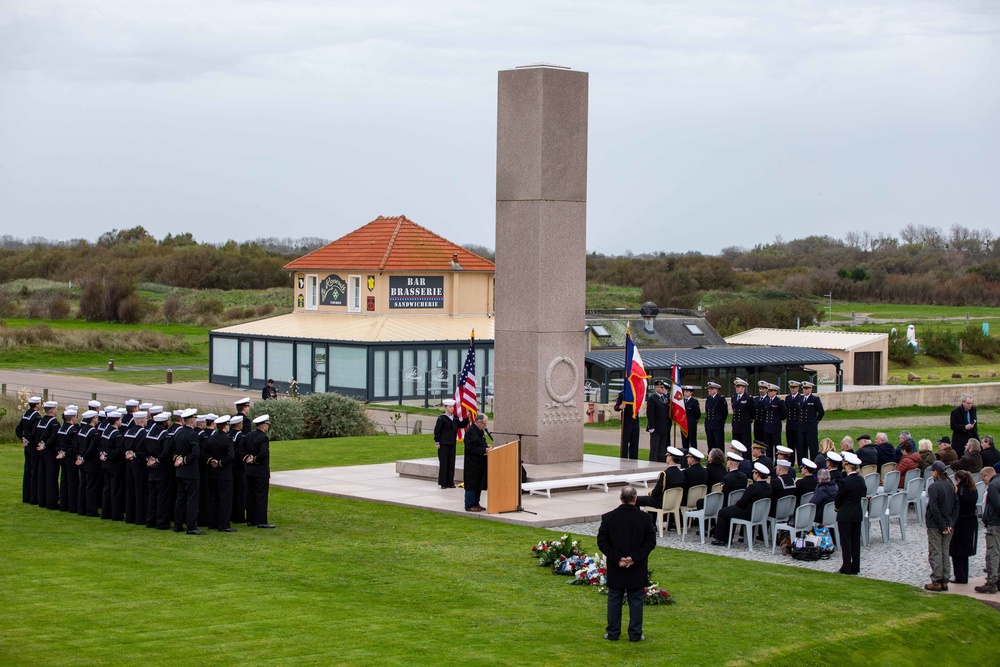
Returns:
(694, 474)
(850, 515)
(626, 537)
(185, 453)
(693, 409)
(793, 410)
(774, 413)
(810, 415)
(474, 472)
(629, 448)
(716, 413)
(219, 455)
(154, 453)
(743, 412)
(758, 408)
(671, 478)
(445, 440)
(963, 424)
(25, 431)
(658, 422)
(258, 466)
(760, 488)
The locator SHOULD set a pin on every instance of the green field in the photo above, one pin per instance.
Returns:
(345, 582)
(609, 297)
(896, 311)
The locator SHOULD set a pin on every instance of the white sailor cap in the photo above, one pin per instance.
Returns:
(762, 383)
(160, 417)
(850, 457)
(688, 387)
(761, 468)
(88, 415)
(102, 413)
(140, 414)
(211, 417)
(50, 404)
(448, 401)
(72, 407)
(199, 417)
(131, 403)
(783, 463)
(784, 450)
(695, 453)
(262, 419)
(178, 413)
(714, 385)
(734, 456)
(114, 414)
(238, 419)
(673, 451)
(187, 414)
(156, 409)
(772, 387)
(70, 412)
(809, 385)
(809, 464)
(738, 446)
(740, 381)
(94, 404)
(145, 406)
(794, 383)
(221, 419)
(35, 399)
(242, 401)
(110, 407)
(835, 457)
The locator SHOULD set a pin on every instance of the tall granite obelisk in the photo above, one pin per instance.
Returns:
(541, 250)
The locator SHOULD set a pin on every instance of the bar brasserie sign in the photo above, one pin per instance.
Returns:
(416, 292)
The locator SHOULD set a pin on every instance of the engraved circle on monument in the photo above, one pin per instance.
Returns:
(562, 380)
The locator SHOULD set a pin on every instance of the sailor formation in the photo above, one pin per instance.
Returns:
(142, 465)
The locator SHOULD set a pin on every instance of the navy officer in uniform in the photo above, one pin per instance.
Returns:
(773, 413)
(630, 428)
(743, 412)
(810, 416)
(716, 413)
(758, 407)
(793, 407)
(760, 488)
(693, 409)
(671, 478)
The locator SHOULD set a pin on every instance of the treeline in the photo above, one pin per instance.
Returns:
(134, 255)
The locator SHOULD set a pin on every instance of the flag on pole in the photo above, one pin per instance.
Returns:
(678, 413)
(635, 376)
(465, 393)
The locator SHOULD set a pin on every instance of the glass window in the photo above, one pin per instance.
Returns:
(303, 364)
(354, 294)
(410, 374)
(312, 292)
(393, 373)
(348, 367)
(258, 360)
(379, 385)
(279, 361)
(224, 356)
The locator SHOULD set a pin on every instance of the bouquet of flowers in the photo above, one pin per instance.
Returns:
(572, 565)
(592, 573)
(549, 552)
(656, 595)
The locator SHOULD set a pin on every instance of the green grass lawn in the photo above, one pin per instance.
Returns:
(609, 297)
(344, 582)
(146, 377)
(897, 311)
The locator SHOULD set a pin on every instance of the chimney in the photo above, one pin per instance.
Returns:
(649, 311)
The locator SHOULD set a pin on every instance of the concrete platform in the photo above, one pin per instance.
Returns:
(382, 483)
(591, 465)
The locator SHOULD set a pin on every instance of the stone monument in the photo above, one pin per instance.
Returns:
(541, 250)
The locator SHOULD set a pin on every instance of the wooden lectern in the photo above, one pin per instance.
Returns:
(503, 476)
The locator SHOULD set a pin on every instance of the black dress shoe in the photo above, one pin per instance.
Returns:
(266, 525)
(227, 530)
(718, 543)
(610, 639)
(178, 530)
(196, 532)
(641, 638)
(451, 486)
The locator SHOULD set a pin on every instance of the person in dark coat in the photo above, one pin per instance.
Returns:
(46, 444)
(716, 468)
(793, 409)
(136, 473)
(219, 455)
(716, 413)
(258, 472)
(626, 538)
(474, 472)
(743, 412)
(885, 452)
(825, 493)
(989, 454)
(694, 474)
(671, 478)
(808, 482)
(972, 459)
(963, 544)
(850, 515)
(867, 450)
(835, 464)
(238, 434)
(963, 424)
(810, 415)
(88, 459)
(693, 410)
(941, 515)
(629, 447)
(154, 453)
(69, 482)
(760, 457)
(185, 454)
(760, 488)
(772, 412)
(758, 409)
(782, 484)
(113, 472)
(445, 439)
(658, 422)
(269, 393)
(25, 431)
(946, 453)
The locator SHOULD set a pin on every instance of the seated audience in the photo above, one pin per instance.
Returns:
(926, 450)
(971, 460)
(909, 460)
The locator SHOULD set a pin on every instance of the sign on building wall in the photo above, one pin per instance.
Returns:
(333, 291)
(416, 292)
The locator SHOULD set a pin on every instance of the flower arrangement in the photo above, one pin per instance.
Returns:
(549, 552)
(656, 595)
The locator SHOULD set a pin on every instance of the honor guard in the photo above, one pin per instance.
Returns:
(136, 474)
(154, 453)
(773, 413)
(112, 458)
(742, 407)
(810, 415)
(185, 454)
(238, 436)
(629, 447)
(87, 448)
(69, 482)
(219, 454)
(25, 431)
(693, 409)
(46, 441)
(258, 472)
(792, 409)
(758, 407)
(716, 413)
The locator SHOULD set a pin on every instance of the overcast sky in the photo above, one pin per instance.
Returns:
(711, 123)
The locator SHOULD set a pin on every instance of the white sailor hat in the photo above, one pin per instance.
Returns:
(155, 409)
(242, 401)
(850, 457)
(734, 456)
(738, 446)
(784, 450)
(236, 420)
(71, 412)
(809, 385)
(834, 456)
(88, 415)
(673, 451)
(761, 468)
(809, 464)
(688, 387)
(740, 381)
(93, 404)
(714, 385)
(145, 406)
(211, 417)
(161, 417)
(448, 401)
(114, 414)
(783, 463)
(131, 403)
(695, 453)
(178, 413)
(262, 419)
(72, 407)
(199, 417)
(772, 387)
(35, 399)
(110, 407)
(762, 383)
(187, 414)
(140, 414)
(50, 404)
(102, 413)
(222, 419)
(794, 383)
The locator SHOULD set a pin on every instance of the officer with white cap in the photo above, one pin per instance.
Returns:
(692, 409)
(793, 410)
(69, 477)
(771, 414)
(760, 489)
(747, 466)
(87, 448)
(735, 478)
(155, 454)
(810, 415)
(742, 407)
(239, 437)
(850, 514)
(671, 478)
(46, 442)
(807, 483)
(136, 474)
(186, 452)
(219, 455)
(782, 453)
(695, 473)
(716, 413)
(758, 408)
(782, 484)
(112, 456)
(835, 464)
(25, 431)
(258, 472)
(445, 440)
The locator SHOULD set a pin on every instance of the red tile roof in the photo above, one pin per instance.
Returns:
(392, 244)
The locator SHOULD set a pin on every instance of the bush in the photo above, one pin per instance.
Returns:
(10, 306)
(110, 297)
(774, 312)
(331, 415)
(57, 307)
(974, 341)
(899, 350)
(171, 308)
(286, 418)
(941, 344)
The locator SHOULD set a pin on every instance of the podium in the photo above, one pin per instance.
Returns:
(503, 477)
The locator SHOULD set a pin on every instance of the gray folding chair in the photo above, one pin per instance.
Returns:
(897, 510)
(871, 483)
(782, 511)
(878, 507)
(911, 474)
(981, 490)
(709, 512)
(758, 518)
(829, 520)
(914, 496)
(806, 498)
(734, 496)
(803, 523)
(890, 483)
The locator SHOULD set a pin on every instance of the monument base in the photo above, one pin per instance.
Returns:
(592, 465)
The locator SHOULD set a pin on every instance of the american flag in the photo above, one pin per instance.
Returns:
(465, 394)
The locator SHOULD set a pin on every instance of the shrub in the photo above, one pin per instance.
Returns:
(940, 344)
(974, 341)
(110, 297)
(265, 309)
(171, 308)
(286, 418)
(57, 307)
(332, 415)
(10, 306)
(899, 350)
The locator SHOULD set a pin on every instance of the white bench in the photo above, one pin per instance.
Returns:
(603, 481)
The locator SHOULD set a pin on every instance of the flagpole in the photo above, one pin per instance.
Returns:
(675, 381)
(622, 449)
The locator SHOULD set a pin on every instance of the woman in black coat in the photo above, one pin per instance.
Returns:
(963, 543)
(716, 468)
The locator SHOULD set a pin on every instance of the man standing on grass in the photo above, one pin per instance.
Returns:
(136, 474)
(46, 444)
(810, 415)
(238, 435)
(258, 472)
(112, 468)
(186, 453)
(941, 516)
(69, 486)
(155, 455)
(963, 425)
(991, 519)
(25, 431)
(626, 538)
